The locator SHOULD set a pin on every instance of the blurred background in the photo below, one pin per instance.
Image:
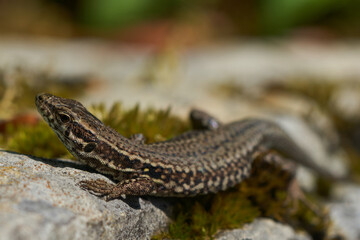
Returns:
(231, 58)
(196, 21)
(175, 44)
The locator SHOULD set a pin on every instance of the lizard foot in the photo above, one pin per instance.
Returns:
(97, 187)
(109, 191)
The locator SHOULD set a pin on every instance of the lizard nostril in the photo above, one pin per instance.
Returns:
(40, 97)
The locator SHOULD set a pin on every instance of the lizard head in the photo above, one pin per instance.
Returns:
(85, 136)
(71, 122)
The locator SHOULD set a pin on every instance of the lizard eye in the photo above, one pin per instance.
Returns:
(89, 147)
(64, 118)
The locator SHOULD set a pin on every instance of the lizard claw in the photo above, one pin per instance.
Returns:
(97, 187)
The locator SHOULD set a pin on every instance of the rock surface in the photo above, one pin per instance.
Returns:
(345, 212)
(262, 229)
(39, 199)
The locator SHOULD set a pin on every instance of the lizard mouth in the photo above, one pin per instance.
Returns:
(43, 102)
(43, 107)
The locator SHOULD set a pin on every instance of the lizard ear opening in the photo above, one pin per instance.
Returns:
(89, 147)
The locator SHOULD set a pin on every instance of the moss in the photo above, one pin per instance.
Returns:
(312, 218)
(35, 140)
(155, 125)
(269, 188)
(202, 217)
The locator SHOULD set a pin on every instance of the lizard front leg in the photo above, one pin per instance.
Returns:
(135, 186)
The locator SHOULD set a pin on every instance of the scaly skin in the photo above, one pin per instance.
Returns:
(196, 162)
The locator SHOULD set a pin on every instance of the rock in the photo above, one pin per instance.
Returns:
(40, 199)
(345, 212)
(262, 228)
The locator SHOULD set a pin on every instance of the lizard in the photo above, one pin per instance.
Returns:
(212, 158)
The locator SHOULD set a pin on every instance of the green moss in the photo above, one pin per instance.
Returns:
(155, 125)
(314, 221)
(202, 217)
(36, 140)
(270, 189)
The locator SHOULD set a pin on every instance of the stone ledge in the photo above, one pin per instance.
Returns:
(40, 200)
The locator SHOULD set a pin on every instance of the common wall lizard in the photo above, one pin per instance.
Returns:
(196, 162)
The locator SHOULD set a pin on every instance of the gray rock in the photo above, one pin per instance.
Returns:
(262, 228)
(39, 199)
(345, 213)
